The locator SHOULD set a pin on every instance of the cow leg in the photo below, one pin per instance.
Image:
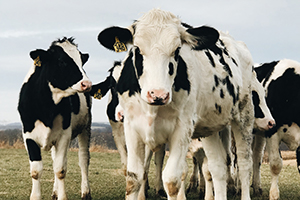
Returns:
(135, 163)
(119, 138)
(194, 180)
(275, 164)
(159, 161)
(225, 135)
(209, 193)
(176, 168)
(59, 156)
(216, 158)
(84, 160)
(36, 167)
(145, 184)
(258, 151)
(244, 155)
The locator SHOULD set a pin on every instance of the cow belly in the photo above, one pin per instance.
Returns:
(44, 136)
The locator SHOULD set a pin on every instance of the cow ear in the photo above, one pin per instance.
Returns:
(204, 37)
(84, 58)
(115, 38)
(39, 56)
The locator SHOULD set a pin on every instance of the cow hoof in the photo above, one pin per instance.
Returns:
(192, 188)
(54, 196)
(201, 194)
(257, 192)
(232, 190)
(162, 194)
(86, 196)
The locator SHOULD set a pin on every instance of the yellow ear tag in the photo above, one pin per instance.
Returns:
(119, 46)
(37, 62)
(98, 94)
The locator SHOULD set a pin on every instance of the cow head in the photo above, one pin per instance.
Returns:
(263, 117)
(62, 65)
(153, 65)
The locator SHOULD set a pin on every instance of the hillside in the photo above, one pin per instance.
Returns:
(101, 134)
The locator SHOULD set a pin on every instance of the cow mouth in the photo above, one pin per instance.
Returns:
(157, 103)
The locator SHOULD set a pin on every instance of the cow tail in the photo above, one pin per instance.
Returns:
(298, 158)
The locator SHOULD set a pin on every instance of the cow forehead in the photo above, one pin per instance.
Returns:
(158, 30)
(165, 40)
(71, 50)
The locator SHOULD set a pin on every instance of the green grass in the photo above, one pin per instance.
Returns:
(106, 179)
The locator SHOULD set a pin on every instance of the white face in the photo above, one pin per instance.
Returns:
(263, 117)
(159, 49)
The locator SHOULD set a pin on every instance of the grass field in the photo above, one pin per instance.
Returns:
(106, 179)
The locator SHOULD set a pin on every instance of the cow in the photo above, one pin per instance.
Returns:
(116, 116)
(263, 122)
(280, 80)
(179, 82)
(55, 107)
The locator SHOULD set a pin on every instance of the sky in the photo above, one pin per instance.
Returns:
(270, 29)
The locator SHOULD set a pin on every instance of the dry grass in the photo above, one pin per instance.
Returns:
(286, 155)
(17, 145)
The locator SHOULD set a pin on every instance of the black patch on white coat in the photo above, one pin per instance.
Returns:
(34, 151)
(128, 80)
(258, 113)
(181, 80)
(210, 58)
(283, 97)
(218, 108)
(219, 52)
(230, 89)
(138, 61)
(298, 158)
(264, 71)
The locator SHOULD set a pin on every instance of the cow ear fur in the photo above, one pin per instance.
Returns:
(204, 37)
(39, 56)
(108, 37)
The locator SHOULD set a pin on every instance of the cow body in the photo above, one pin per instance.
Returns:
(263, 122)
(177, 82)
(54, 109)
(281, 80)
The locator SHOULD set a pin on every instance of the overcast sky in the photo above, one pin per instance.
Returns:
(270, 28)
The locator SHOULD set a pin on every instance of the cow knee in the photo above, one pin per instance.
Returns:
(276, 168)
(36, 169)
(132, 183)
(172, 188)
(61, 174)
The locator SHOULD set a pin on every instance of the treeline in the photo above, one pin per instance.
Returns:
(101, 136)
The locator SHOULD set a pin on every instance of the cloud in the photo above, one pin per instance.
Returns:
(26, 33)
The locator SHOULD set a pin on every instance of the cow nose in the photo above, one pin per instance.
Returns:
(158, 97)
(271, 124)
(86, 85)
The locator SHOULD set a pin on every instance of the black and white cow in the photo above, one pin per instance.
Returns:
(281, 80)
(116, 116)
(263, 122)
(177, 81)
(55, 107)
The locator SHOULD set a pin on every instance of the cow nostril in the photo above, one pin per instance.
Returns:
(271, 124)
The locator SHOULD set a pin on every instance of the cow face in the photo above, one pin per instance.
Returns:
(153, 65)
(62, 65)
(263, 117)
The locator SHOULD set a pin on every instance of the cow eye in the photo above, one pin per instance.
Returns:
(176, 54)
(171, 69)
